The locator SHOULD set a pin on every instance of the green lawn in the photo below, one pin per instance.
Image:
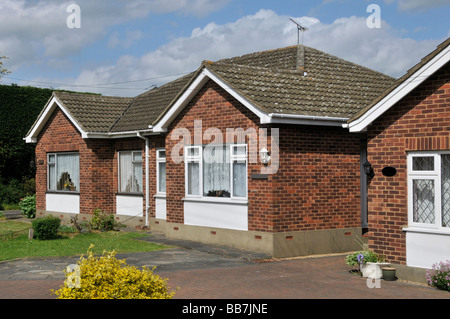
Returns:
(7, 226)
(73, 244)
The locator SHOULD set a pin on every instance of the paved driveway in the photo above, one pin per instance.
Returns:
(211, 272)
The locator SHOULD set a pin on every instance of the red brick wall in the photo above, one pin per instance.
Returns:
(57, 135)
(419, 122)
(98, 163)
(217, 109)
(318, 184)
(316, 187)
(97, 181)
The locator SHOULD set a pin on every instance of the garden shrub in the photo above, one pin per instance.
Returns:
(28, 206)
(439, 275)
(46, 227)
(102, 221)
(106, 277)
(11, 192)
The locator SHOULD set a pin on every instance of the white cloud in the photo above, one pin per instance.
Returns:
(349, 38)
(33, 31)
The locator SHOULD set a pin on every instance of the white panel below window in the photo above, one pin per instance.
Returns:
(129, 205)
(62, 203)
(160, 207)
(220, 214)
(423, 249)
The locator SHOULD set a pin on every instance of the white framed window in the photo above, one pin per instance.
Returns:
(130, 172)
(429, 190)
(216, 171)
(63, 172)
(193, 168)
(161, 171)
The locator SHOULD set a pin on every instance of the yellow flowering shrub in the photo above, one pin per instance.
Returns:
(106, 277)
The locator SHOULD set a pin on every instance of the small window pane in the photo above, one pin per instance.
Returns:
(445, 190)
(162, 177)
(162, 155)
(423, 201)
(423, 163)
(239, 150)
(137, 156)
(239, 179)
(193, 151)
(52, 177)
(137, 177)
(193, 178)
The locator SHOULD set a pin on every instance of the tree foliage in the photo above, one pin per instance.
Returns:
(3, 71)
(19, 108)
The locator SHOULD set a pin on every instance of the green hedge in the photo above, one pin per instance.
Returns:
(46, 227)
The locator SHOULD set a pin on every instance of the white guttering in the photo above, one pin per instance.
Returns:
(304, 119)
(147, 178)
(116, 134)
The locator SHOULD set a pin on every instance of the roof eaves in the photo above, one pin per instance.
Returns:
(407, 77)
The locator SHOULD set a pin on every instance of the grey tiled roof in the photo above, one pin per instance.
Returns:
(94, 113)
(332, 87)
(270, 80)
(145, 108)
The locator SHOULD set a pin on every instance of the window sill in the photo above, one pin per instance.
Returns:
(216, 200)
(437, 231)
(62, 192)
(129, 194)
(160, 196)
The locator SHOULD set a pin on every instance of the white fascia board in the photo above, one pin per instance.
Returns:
(113, 135)
(277, 118)
(262, 115)
(172, 113)
(45, 115)
(193, 89)
(360, 124)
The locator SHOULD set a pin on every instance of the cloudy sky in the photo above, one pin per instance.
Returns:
(124, 47)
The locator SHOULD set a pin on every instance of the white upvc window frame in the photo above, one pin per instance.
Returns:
(435, 175)
(193, 158)
(55, 165)
(119, 190)
(238, 158)
(197, 157)
(160, 159)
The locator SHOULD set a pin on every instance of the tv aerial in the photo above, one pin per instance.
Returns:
(301, 29)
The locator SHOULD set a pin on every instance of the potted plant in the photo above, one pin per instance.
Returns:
(369, 263)
(372, 263)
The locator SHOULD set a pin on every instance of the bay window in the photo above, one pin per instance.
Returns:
(429, 190)
(63, 172)
(130, 172)
(216, 171)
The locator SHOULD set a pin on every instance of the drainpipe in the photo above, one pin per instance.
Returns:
(363, 182)
(147, 180)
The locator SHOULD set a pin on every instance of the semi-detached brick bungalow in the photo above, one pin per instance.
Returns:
(189, 158)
